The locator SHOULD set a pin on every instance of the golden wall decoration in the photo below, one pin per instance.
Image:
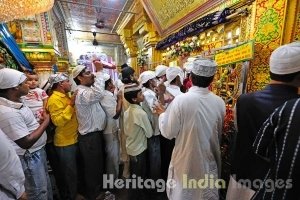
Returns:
(297, 27)
(169, 15)
(269, 24)
(290, 23)
(170, 11)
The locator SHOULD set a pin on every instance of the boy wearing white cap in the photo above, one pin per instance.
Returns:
(137, 128)
(19, 124)
(62, 111)
(91, 123)
(252, 110)
(196, 153)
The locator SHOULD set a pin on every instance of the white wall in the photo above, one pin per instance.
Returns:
(79, 47)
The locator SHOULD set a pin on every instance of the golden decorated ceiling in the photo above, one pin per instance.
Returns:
(169, 15)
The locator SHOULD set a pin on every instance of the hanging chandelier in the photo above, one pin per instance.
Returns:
(14, 9)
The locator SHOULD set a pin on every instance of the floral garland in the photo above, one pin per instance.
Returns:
(142, 58)
(183, 48)
(6, 58)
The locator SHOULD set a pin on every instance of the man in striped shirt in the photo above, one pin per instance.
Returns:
(91, 123)
(278, 141)
(252, 109)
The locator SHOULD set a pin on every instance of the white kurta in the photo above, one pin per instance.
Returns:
(195, 119)
(148, 105)
(12, 177)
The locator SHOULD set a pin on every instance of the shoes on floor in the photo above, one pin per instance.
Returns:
(106, 196)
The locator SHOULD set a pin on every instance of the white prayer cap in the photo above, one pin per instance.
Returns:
(76, 71)
(146, 76)
(172, 72)
(286, 59)
(188, 66)
(45, 85)
(10, 78)
(160, 70)
(204, 67)
(106, 76)
(56, 78)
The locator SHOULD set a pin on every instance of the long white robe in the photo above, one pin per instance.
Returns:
(195, 119)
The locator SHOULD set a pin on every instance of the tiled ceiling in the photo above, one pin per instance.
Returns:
(82, 15)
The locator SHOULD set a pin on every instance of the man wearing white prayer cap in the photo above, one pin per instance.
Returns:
(10, 78)
(148, 80)
(146, 76)
(285, 62)
(195, 119)
(175, 78)
(167, 91)
(91, 123)
(160, 70)
(252, 109)
(28, 136)
(61, 107)
(112, 105)
(187, 66)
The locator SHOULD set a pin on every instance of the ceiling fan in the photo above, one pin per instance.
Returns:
(100, 24)
(95, 42)
(100, 20)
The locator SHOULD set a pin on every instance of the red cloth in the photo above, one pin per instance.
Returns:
(187, 83)
(108, 65)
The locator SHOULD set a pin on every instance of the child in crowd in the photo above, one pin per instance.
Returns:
(36, 99)
(112, 108)
(137, 129)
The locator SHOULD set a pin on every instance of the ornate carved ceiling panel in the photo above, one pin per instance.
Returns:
(169, 15)
(82, 15)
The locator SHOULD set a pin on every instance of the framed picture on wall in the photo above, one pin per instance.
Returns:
(31, 32)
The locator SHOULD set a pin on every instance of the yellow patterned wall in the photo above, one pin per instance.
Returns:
(170, 15)
(170, 11)
(273, 25)
(297, 27)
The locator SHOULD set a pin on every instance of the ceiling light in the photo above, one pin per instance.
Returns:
(14, 9)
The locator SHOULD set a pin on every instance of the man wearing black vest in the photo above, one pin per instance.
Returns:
(252, 110)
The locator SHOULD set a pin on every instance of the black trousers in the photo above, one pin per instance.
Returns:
(138, 166)
(91, 150)
(166, 149)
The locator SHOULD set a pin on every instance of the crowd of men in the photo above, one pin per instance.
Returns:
(151, 125)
